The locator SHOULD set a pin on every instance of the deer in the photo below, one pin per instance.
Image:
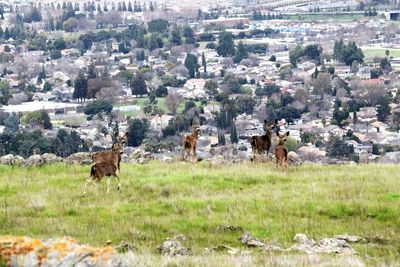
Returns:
(189, 142)
(262, 143)
(108, 155)
(281, 152)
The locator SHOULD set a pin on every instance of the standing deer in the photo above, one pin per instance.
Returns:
(190, 142)
(262, 143)
(107, 167)
(281, 152)
(108, 155)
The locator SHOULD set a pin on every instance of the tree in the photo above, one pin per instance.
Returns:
(138, 85)
(387, 52)
(204, 62)
(98, 107)
(221, 139)
(12, 123)
(158, 25)
(55, 54)
(336, 147)
(322, 84)
(241, 53)
(225, 45)
(173, 101)
(32, 15)
(176, 38)
(188, 34)
(80, 87)
(47, 87)
(161, 91)
(383, 109)
(191, 64)
(5, 93)
(211, 88)
(137, 129)
(38, 118)
(234, 137)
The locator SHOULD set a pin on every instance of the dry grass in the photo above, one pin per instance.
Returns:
(162, 200)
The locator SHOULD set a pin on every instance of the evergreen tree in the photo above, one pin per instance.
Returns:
(130, 6)
(225, 45)
(80, 87)
(241, 53)
(176, 37)
(138, 85)
(234, 137)
(191, 64)
(188, 34)
(204, 62)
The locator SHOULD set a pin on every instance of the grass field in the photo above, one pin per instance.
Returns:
(160, 200)
(325, 17)
(372, 52)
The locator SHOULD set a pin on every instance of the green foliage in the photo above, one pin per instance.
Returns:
(312, 52)
(138, 85)
(5, 93)
(337, 148)
(268, 89)
(221, 139)
(161, 91)
(234, 136)
(176, 37)
(55, 54)
(98, 107)
(158, 25)
(291, 144)
(38, 118)
(347, 53)
(137, 129)
(383, 109)
(11, 122)
(308, 137)
(241, 53)
(191, 64)
(225, 45)
(33, 15)
(376, 73)
(80, 87)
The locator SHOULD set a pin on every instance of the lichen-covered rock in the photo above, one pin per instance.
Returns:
(293, 158)
(7, 159)
(18, 160)
(24, 251)
(79, 158)
(34, 160)
(173, 247)
(325, 245)
(49, 158)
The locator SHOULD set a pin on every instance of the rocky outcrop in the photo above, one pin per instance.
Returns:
(173, 247)
(79, 158)
(34, 160)
(49, 158)
(312, 154)
(334, 245)
(140, 156)
(250, 241)
(293, 158)
(24, 251)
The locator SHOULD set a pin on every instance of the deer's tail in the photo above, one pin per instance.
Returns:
(93, 171)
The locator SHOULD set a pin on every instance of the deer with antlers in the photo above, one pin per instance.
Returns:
(281, 152)
(190, 141)
(262, 143)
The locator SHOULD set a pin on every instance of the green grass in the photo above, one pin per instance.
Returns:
(161, 200)
(370, 53)
(325, 17)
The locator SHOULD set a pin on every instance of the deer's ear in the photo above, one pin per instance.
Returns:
(126, 134)
(287, 133)
(191, 123)
(276, 121)
(265, 122)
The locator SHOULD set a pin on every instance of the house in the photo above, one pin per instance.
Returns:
(160, 122)
(194, 88)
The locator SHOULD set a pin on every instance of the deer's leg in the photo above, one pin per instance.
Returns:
(192, 154)
(119, 184)
(108, 184)
(88, 181)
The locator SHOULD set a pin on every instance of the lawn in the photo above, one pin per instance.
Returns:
(160, 200)
(371, 52)
(325, 17)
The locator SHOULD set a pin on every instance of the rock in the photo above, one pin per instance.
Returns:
(79, 158)
(7, 159)
(24, 251)
(312, 154)
(34, 160)
(250, 241)
(173, 247)
(293, 158)
(18, 160)
(390, 157)
(325, 245)
(350, 238)
(50, 158)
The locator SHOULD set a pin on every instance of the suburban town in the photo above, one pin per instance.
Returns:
(73, 73)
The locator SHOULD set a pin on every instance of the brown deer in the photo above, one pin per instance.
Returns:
(281, 152)
(189, 142)
(98, 171)
(262, 143)
(109, 155)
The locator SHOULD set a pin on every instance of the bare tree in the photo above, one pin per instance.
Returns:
(173, 101)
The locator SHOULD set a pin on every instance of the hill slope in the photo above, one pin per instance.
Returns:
(162, 200)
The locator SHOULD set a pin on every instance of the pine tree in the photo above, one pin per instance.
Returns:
(191, 64)
(80, 87)
(130, 6)
(138, 85)
(241, 53)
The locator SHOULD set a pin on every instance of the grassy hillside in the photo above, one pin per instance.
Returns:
(162, 200)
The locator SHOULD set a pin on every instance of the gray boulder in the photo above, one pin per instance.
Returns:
(173, 247)
(293, 158)
(50, 158)
(18, 160)
(34, 160)
(325, 245)
(80, 158)
(7, 159)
